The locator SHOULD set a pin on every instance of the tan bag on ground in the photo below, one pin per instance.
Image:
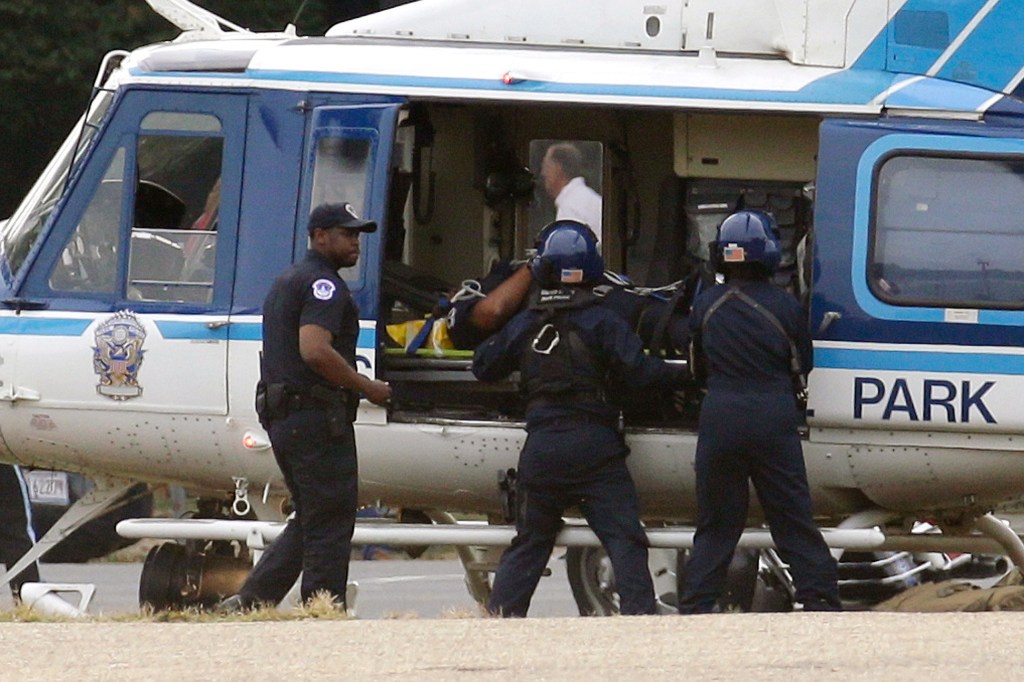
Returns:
(950, 595)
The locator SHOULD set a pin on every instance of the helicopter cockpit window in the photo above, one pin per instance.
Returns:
(947, 233)
(177, 200)
(341, 175)
(88, 263)
(23, 229)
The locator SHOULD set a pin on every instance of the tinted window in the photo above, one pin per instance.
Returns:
(177, 202)
(341, 175)
(949, 232)
(89, 260)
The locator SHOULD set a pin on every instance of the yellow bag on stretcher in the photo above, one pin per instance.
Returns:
(415, 334)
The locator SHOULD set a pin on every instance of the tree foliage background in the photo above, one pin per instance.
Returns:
(50, 52)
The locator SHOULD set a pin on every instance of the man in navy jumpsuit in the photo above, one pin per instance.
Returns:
(310, 329)
(570, 352)
(749, 420)
(16, 534)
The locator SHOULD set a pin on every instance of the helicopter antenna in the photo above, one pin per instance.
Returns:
(302, 6)
(191, 18)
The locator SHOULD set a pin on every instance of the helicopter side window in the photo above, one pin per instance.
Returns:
(88, 263)
(947, 233)
(177, 200)
(20, 233)
(341, 174)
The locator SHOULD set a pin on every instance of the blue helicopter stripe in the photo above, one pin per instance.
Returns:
(918, 361)
(35, 326)
(976, 61)
(856, 86)
(169, 329)
(190, 331)
(936, 94)
(844, 87)
(878, 53)
(253, 331)
(237, 331)
(245, 331)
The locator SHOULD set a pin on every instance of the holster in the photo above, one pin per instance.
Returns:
(267, 396)
(277, 401)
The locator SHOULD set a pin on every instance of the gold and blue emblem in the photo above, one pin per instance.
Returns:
(117, 355)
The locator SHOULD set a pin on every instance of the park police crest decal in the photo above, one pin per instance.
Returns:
(117, 355)
(323, 289)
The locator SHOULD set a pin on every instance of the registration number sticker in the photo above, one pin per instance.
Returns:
(47, 487)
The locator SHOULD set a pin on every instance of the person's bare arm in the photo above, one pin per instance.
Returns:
(317, 352)
(498, 307)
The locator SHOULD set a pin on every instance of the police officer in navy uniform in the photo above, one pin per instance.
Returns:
(16, 533)
(571, 353)
(307, 401)
(750, 344)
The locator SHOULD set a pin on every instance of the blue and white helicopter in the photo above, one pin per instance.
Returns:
(886, 136)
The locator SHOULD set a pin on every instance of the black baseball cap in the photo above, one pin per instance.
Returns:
(326, 216)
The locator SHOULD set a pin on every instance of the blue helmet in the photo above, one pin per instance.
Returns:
(566, 254)
(747, 237)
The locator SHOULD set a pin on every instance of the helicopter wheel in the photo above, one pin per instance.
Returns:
(162, 586)
(176, 576)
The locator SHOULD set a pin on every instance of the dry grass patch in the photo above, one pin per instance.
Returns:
(23, 614)
(320, 607)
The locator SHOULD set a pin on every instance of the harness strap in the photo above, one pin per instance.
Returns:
(794, 356)
(421, 336)
(658, 335)
(551, 331)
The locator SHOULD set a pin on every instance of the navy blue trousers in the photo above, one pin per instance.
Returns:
(322, 477)
(753, 437)
(605, 495)
(16, 534)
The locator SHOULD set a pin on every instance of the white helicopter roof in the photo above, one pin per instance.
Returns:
(780, 55)
(820, 33)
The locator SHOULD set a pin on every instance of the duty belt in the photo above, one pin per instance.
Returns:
(565, 399)
(295, 398)
(322, 394)
(579, 419)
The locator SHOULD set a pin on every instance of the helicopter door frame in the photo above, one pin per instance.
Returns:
(117, 348)
(347, 159)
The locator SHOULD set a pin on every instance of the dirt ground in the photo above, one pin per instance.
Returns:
(795, 646)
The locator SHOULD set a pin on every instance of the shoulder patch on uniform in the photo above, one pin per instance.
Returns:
(323, 289)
